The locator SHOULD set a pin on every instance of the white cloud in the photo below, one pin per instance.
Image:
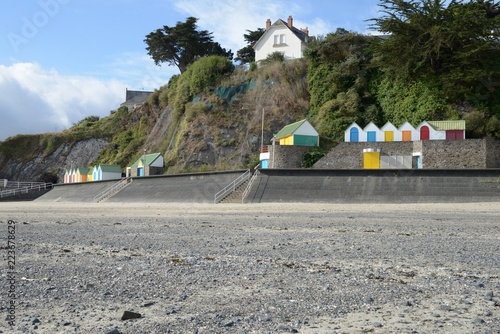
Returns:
(139, 71)
(36, 100)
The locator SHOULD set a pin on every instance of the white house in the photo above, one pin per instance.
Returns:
(282, 37)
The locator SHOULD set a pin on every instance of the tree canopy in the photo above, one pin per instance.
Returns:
(246, 54)
(455, 42)
(338, 79)
(182, 44)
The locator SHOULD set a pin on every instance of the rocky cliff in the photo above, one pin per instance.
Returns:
(221, 128)
(52, 167)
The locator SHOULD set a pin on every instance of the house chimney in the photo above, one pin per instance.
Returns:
(305, 31)
(290, 22)
(268, 24)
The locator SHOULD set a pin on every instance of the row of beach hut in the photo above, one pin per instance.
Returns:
(97, 173)
(146, 165)
(427, 130)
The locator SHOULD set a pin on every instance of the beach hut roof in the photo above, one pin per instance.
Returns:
(110, 168)
(290, 129)
(448, 125)
(82, 170)
(147, 159)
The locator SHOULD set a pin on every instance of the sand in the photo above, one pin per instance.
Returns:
(266, 268)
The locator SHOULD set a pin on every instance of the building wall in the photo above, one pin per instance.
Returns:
(493, 153)
(292, 47)
(285, 156)
(440, 154)
(469, 154)
(148, 171)
(350, 155)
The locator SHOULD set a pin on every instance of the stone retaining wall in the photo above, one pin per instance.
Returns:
(287, 156)
(436, 154)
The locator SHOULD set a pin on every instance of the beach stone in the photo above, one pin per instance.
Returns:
(368, 300)
(286, 328)
(445, 308)
(230, 323)
(489, 295)
(127, 315)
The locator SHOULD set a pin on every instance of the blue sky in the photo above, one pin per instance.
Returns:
(64, 60)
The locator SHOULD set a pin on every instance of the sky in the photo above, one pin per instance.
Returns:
(64, 60)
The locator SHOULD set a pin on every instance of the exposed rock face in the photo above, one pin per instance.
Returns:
(80, 154)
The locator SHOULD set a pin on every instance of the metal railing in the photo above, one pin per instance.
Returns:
(18, 184)
(232, 186)
(249, 185)
(115, 188)
(24, 188)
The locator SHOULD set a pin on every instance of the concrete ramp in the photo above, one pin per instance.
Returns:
(76, 192)
(375, 186)
(182, 188)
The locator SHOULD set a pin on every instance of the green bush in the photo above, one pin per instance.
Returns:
(413, 102)
(206, 72)
(153, 99)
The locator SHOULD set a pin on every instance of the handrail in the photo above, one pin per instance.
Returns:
(24, 190)
(249, 185)
(114, 188)
(18, 184)
(232, 186)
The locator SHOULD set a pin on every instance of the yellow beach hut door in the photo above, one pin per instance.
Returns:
(371, 158)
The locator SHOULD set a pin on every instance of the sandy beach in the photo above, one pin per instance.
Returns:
(260, 268)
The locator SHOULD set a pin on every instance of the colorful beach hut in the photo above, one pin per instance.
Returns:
(300, 133)
(148, 164)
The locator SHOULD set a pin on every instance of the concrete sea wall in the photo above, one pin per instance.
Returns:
(302, 185)
(375, 186)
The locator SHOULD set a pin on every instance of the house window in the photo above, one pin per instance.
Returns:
(279, 39)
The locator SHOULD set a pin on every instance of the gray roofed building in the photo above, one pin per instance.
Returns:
(135, 98)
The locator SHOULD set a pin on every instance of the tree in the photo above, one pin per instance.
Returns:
(246, 54)
(339, 77)
(182, 44)
(453, 42)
